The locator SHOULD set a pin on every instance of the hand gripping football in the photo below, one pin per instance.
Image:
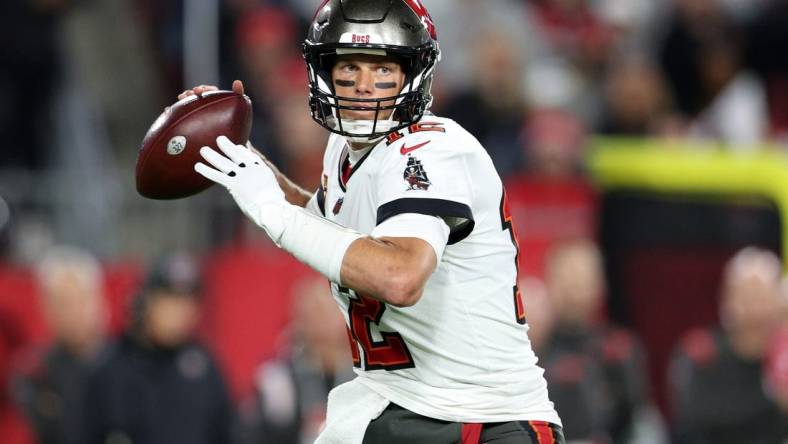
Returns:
(165, 163)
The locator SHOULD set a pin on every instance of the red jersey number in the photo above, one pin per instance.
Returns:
(391, 353)
(506, 224)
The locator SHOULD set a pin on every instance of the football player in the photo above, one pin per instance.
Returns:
(411, 227)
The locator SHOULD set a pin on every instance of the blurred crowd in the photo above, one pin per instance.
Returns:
(162, 377)
(534, 80)
(231, 343)
(530, 78)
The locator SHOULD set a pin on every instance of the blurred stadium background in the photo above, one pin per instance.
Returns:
(656, 128)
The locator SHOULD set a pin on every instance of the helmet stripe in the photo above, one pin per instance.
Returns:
(421, 11)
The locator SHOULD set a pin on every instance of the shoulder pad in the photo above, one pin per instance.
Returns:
(426, 126)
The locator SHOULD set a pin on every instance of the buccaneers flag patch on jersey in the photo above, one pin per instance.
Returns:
(415, 175)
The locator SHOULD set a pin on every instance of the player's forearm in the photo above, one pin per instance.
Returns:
(294, 194)
(392, 270)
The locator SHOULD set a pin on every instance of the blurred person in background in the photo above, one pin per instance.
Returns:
(551, 198)
(539, 312)
(634, 23)
(692, 26)
(51, 384)
(31, 56)
(636, 100)
(291, 390)
(577, 45)
(301, 142)
(702, 55)
(775, 362)
(575, 30)
(494, 105)
(462, 22)
(596, 371)
(157, 384)
(555, 142)
(717, 375)
(738, 113)
(266, 39)
(767, 34)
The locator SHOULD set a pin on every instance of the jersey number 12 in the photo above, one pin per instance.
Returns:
(389, 353)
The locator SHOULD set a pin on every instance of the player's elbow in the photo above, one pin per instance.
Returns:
(403, 289)
(404, 273)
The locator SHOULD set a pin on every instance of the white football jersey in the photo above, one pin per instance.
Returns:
(461, 353)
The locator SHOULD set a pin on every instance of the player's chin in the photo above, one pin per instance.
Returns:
(358, 115)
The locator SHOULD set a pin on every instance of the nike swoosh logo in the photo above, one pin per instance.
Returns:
(405, 150)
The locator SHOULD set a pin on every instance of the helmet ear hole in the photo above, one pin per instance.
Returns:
(408, 26)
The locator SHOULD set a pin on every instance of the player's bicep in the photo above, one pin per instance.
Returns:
(430, 229)
(412, 250)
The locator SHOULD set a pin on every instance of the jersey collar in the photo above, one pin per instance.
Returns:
(347, 168)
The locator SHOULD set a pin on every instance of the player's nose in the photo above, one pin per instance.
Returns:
(365, 82)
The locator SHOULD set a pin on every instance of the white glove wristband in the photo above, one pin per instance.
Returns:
(313, 240)
(316, 241)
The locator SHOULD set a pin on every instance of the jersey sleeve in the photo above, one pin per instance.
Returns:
(317, 203)
(430, 229)
(426, 175)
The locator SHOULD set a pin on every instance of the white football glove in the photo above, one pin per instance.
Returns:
(250, 182)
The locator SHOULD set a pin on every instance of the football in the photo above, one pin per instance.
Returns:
(165, 162)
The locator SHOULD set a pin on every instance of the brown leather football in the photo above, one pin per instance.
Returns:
(165, 163)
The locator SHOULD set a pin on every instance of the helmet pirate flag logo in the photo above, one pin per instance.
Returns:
(415, 175)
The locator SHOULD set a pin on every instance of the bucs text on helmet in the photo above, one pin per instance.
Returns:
(399, 28)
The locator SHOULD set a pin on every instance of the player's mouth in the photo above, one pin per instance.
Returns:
(361, 114)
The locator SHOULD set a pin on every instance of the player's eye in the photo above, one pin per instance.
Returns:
(384, 70)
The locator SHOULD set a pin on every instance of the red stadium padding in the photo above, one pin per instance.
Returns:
(20, 324)
(121, 284)
(20, 307)
(248, 293)
(545, 211)
(13, 428)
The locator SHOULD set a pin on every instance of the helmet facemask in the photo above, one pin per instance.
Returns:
(406, 108)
